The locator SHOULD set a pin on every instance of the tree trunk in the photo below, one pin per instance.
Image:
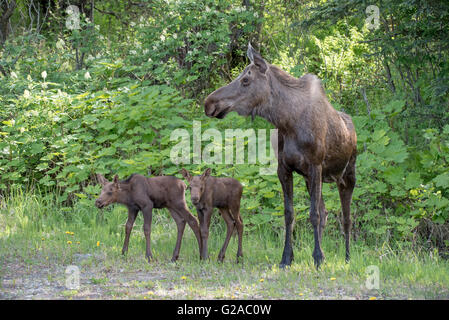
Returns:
(7, 11)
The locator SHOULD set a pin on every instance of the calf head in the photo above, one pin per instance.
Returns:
(196, 184)
(109, 193)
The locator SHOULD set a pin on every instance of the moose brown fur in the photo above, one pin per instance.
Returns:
(139, 193)
(209, 192)
(314, 140)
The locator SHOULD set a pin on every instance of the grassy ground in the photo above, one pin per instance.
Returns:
(39, 240)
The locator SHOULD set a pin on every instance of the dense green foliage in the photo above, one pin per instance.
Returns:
(106, 97)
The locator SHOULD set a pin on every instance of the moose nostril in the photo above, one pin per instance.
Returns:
(209, 107)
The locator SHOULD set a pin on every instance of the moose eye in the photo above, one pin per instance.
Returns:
(245, 81)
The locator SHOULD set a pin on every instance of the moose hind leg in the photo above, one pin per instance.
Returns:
(345, 190)
(192, 222)
(147, 219)
(180, 224)
(323, 217)
(323, 213)
(239, 226)
(230, 228)
(315, 205)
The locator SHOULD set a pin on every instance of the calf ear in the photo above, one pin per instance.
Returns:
(205, 174)
(116, 182)
(186, 174)
(101, 179)
(256, 58)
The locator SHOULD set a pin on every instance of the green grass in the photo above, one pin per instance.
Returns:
(39, 239)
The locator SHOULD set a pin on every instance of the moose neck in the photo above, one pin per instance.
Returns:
(123, 195)
(285, 104)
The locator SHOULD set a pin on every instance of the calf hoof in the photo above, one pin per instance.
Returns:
(239, 259)
(150, 259)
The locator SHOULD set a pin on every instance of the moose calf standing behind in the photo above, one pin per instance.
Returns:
(140, 193)
(223, 193)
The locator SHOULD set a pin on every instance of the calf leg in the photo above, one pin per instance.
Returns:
(147, 218)
(132, 214)
(205, 215)
(235, 212)
(180, 224)
(345, 190)
(192, 222)
(230, 228)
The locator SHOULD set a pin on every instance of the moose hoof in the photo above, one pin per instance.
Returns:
(318, 258)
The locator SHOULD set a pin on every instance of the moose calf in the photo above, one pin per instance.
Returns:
(139, 193)
(223, 193)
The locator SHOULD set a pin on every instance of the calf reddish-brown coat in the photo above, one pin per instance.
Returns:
(314, 139)
(139, 193)
(208, 193)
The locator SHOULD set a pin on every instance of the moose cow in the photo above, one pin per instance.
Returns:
(208, 193)
(314, 140)
(139, 193)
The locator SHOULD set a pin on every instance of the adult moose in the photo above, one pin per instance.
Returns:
(314, 139)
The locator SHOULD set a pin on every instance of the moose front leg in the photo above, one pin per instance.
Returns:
(315, 205)
(147, 218)
(286, 179)
(205, 217)
(132, 214)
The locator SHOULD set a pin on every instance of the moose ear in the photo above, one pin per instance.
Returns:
(256, 58)
(101, 179)
(186, 174)
(116, 182)
(249, 52)
(205, 174)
